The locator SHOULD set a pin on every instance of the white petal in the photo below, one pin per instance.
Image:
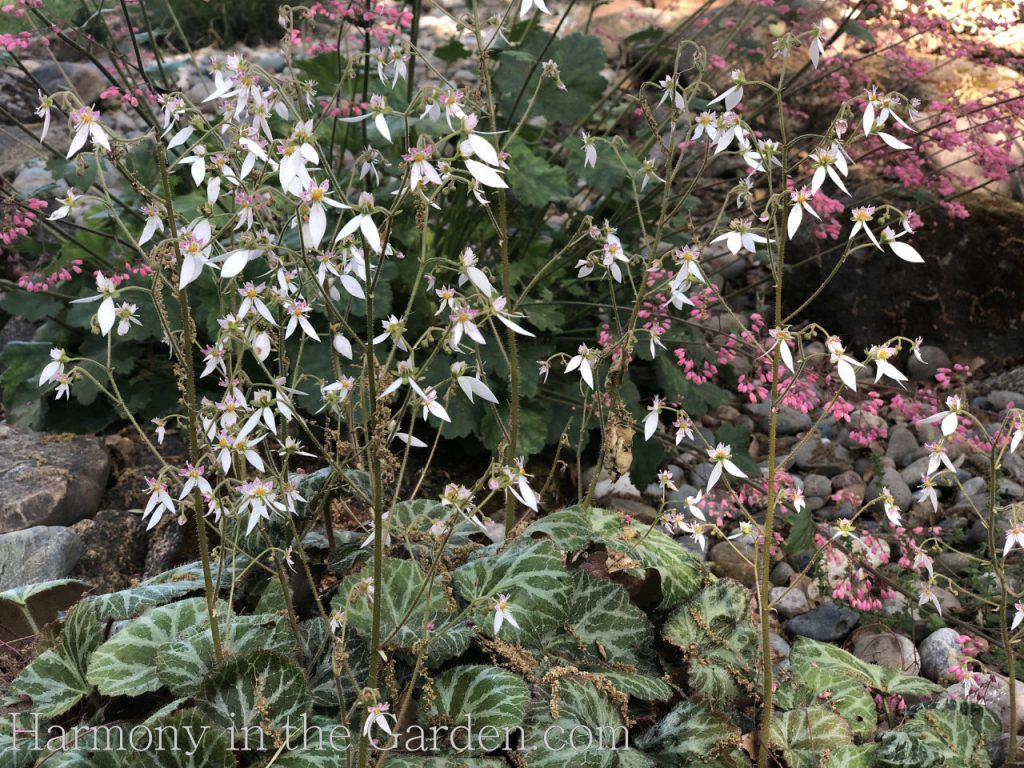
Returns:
(78, 141)
(892, 141)
(106, 315)
(484, 149)
(235, 263)
(906, 251)
(485, 175)
(180, 137)
(796, 215)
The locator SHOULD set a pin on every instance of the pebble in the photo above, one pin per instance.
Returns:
(789, 601)
(828, 623)
(788, 422)
(902, 444)
(845, 480)
(37, 554)
(822, 456)
(781, 574)
(1002, 399)
(939, 651)
(897, 486)
(729, 562)
(817, 485)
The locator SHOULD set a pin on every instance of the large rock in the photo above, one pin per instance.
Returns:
(37, 554)
(113, 549)
(49, 479)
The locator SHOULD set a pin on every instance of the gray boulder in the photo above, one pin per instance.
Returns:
(37, 554)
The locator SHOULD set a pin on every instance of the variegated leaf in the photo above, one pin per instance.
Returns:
(50, 685)
(807, 654)
(691, 735)
(478, 697)
(853, 756)
(531, 574)
(320, 656)
(568, 528)
(255, 695)
(200, 744)
(803, 734)
(181, 665)
(125, 665)
(716, 635)
(601, 624)
(411, 610)
(454, 761)
(681, 573)
(583, 731)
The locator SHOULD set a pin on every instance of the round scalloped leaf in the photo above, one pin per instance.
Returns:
(209, 745)
(853, 756)
(50, 686)
(533, 577)
(847, 697)
(691, 734)
(478, 697)
(83, 758)
(803, 734)
(601, 624)
(419, 515)
(409, 761)
(635, 684)
(807, 655)
(682, 575)
(319, 652)
(568, 528)
(182, 665)
(716, 635)
(260, 690)
(942, 733)
(551, 739)
(15, 754)
(411, 610)
(125, 665)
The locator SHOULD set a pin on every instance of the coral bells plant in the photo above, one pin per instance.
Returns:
(326, 281)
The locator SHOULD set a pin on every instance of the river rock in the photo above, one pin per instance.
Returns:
(828, 623)
(902, 445)
(887, 649)
(789, 601)
(728, 559)
(49, 479)
(939, 651)
(34, 555)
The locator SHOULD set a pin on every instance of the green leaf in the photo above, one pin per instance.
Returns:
(580, 59)
(533, 577)
(125, 665)
(183, 664)
(31, 306)
(209, 745)
(718, 640)
(804, 734)
(452, 51)
(801, 531)
(254, 695)
(533, 181)
(22, 362)
(635, 684)
(681, 573)
(580, 706)
(691, 734)
(859, 756)
(477, 697)
(15, 754)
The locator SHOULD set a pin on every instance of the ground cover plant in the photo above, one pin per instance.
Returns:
(376, 313)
